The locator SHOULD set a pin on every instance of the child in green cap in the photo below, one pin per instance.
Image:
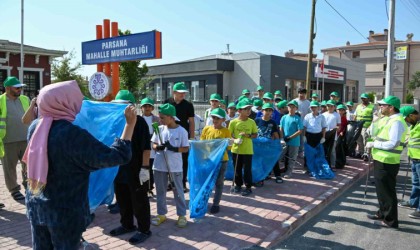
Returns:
(217, 131)
(169, 143)
(146, 106)
(214, 103)
(243, 129)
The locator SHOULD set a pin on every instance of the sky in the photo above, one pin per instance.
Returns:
(197, 28)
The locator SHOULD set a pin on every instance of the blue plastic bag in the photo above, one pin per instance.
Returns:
(204, 162)
(266, 153)
(316, 162)
(105, 121)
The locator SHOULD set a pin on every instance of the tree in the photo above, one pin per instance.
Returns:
(64, 70)
(133, 76)
(415, 81)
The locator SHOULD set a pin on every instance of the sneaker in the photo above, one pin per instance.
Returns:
(365, 157)
(214, 209)
(236, 189)
(246, 192)
(280, 180)
(182, 221)
(159, 219)
(169, 187)
(139, 237)
(1, 205)
(404, 204)
(415, 215)
(114, 208)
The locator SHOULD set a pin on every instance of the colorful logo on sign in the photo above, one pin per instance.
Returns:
(99, 85)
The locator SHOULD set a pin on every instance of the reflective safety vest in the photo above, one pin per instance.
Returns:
(365, 114)
(391, 156)
(414, 142)
(3, 114)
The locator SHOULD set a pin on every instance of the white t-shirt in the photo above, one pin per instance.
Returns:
(177, 137)
(149, 121)
(304, 107)
(332, 120)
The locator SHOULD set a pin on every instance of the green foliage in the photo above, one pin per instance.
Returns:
(64, 70)
(372, 96)
(409, 98)
(133, 75)
(415, 82)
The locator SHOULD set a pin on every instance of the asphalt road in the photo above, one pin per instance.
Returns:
(343, 223)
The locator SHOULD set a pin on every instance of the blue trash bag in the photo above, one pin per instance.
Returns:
(105, 121)
(316, 162)
(204, 162)
(266, 153)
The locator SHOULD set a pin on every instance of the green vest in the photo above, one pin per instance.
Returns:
(365, 114)
(414, 142)
(392, 156)
(3, 113)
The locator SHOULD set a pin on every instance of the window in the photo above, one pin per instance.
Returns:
(383, 81)
(210, 89)
(31, 79)
(158, 92)
(385, 67)
(356, 54)
(170, 88)
(3, 76)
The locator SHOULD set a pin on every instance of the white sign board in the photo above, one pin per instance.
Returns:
(330, 74)
(99, 85)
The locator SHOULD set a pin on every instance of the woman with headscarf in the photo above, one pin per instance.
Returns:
(60, 157)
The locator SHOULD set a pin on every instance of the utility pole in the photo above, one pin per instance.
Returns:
(22, 56)
(311, 45)
(389, 79)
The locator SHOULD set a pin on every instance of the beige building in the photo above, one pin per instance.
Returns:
(373, 55)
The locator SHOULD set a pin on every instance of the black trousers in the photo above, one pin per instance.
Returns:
(243, 162)
(184, 168)
(385, 182)
(133, 201)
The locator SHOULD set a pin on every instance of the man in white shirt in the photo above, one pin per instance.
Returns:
(333, 121)
(303, 109)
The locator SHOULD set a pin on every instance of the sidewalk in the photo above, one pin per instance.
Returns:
(269, 215)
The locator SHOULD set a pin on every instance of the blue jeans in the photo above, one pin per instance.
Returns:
(415, 191)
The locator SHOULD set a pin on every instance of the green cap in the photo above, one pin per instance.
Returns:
(391, 100)
(218, 112)
(323, 103)
(277, 99)
(282, 104)
(223, 102)
(315, 95)
(258, 103)
(341, 106)
(167, 109)
(407, 110)
(268, 95)
(350, 103)
(244, 104)
(364, 95)
(278, 92)
(314, 104)
(245, 91)
(147, 101)
(268, 106)
(180, 87)
(232, 105)
(331, 102)
(293, 102)
(260, 88)
(124, 96)
(335, 93)
(242, 97)
(12, 81)
(215, 97)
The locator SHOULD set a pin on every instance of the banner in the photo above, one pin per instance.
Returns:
(203, 168)
(105, 121)
(266, 154)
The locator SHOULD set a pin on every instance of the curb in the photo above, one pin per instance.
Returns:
(302, 216)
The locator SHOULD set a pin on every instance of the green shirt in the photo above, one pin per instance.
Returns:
(248, 126)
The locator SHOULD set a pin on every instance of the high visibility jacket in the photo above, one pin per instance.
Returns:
(414, 142)
(365, 114)
(3, 114)
(391, 156)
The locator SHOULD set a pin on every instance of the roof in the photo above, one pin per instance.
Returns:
(231, 56)
(374, 44)
(7, 46)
